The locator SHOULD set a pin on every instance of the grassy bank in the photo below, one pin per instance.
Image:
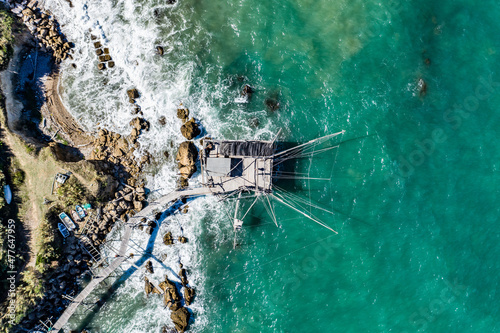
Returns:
(30, 170)
(6, 23)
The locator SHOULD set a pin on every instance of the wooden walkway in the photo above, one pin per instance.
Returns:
(151, 209)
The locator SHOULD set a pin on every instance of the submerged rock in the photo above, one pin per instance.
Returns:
(272, 104)
(159, 50)
(422, 87)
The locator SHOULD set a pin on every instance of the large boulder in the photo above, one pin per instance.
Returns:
(149, 287)
(180, 317)
(168, 239)
(187, 153)
(133, 94)
(138, 206)
(186, 171)
(139, 123)
(183, 114)
(189, 294)
(190, 129)
(183, 275)
(172, 297)
(149, 267)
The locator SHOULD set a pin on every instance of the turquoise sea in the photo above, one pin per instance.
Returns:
(413, 186)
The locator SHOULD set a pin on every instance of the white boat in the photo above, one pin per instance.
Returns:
(67, 221)
(7, 193)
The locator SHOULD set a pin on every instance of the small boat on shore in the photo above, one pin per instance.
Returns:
(75, 216)
(68, 222)
(80, 211)
(64, 231)
(7, 193)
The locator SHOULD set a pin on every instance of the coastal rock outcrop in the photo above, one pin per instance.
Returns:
(172, 298)
(139, 124)
(149, 287)
(180, 317)
(103, 55)
(149, 267)
(187, 155)
(183, 275)
(133, 94)
(182, 113)
(190, 129)
(45, 29)
(189, 295)
(168, 239)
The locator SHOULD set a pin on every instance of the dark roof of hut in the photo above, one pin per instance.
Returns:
(246, 148)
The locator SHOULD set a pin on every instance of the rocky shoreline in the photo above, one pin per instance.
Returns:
(109, 155)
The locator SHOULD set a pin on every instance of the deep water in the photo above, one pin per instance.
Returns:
(413, 187)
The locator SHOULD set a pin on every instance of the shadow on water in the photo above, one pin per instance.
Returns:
(147, 254)
(287, 179)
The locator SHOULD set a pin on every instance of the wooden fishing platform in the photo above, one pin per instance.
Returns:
(228, 167)
(235, 165)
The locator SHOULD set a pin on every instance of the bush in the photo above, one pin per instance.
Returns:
(18, 177)
(5, 37)
(47, 249)
(29, 148)
(71, 192)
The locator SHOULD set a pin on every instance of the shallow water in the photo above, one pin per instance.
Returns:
(413, 188)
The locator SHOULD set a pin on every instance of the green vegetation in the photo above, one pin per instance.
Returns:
(47, 250)
(30, 149)
(3, 249)
(2, 183)
(31, 171)
(72, 192)
(18, 178)
(29, 292)
(61, 139)
(5, 38)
